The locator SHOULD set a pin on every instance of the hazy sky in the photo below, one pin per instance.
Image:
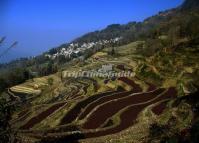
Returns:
(39, 25)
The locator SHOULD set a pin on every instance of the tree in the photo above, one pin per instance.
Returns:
(173, 35)
(62, 59)
(3, 85)
(50, 81)
(192, 28)
(49, 68)
(53, 51)
(113, 51)
(151, 47)
(26, 74)
(7, 135)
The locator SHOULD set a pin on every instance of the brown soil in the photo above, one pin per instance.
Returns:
(135, 86)
(22, 113)
(120, 67)
(158, 110)
(151, 86)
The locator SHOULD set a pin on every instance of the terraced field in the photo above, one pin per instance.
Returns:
(94, 116)
(84, 108)
(42, 116)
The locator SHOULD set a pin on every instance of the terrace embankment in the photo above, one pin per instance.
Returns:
(22, 118)
(129, 115)
(22, 96)
(91, 106)
(150, 86)
(13, 97)
(22, 113)
(76, 110)
(101, 113)
(102, 100)
(75, 93)
(42, 116)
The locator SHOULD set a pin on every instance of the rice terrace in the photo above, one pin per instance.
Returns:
(130, 83)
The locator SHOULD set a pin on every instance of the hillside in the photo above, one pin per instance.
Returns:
(190, 4)
(157, 102)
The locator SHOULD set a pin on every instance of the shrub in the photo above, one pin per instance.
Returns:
(50, 81)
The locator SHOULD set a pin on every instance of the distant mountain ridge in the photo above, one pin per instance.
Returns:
(190, 4)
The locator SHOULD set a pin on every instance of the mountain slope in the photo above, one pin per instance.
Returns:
(163, 54)
(190, 4)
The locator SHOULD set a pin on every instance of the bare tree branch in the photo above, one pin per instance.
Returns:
(12, 46)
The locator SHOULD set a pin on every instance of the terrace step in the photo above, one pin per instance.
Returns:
(91, 106)
(130, 82)
(127, 117)
(76, 110)
(41, 116)
(99, 114)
